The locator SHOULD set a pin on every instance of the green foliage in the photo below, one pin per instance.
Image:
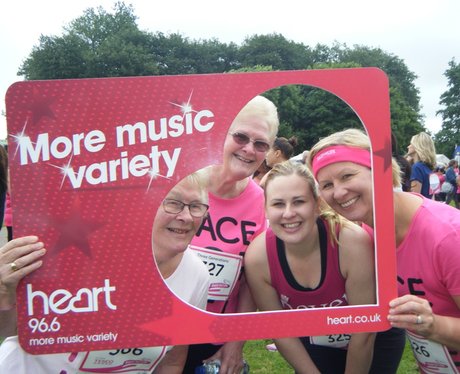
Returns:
(404, 120)
(262, 361)
(401, 79)
(310, 113)
(276, 51)
(408, 365)
(449, 136)
(103, 44)
(97, 44)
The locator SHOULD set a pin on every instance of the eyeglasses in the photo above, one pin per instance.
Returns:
(243, 139)
(196, 210)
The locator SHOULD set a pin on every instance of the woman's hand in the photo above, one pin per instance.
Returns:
(18, 258)
(412, 313)
(230, 356)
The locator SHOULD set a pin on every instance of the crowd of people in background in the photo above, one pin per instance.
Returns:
(309, 244)
(427, 177)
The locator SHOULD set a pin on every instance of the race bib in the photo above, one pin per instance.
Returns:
(129, 360)
(224, 269)
(333, 341)
(431, 357)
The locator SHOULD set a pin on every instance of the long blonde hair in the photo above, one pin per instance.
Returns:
(424, 148)
(287, 168)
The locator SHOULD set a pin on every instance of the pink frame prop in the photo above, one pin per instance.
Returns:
(90, 193)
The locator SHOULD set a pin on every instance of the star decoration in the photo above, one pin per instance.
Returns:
(153, 175)
(74, 231)
(385, 155)
(65, 170)
(185, 107)
(20, 139)
(39, 107)
(194, 323)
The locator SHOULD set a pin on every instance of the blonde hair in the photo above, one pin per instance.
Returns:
(351, 138)
(424, 148)
(261, 107)
(287, 168)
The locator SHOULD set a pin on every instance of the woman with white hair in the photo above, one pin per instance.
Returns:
(176, 222)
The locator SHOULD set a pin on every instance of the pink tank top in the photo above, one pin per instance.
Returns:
(331, 290)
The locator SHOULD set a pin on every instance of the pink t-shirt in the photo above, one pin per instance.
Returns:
(230, 227)
(428, 259)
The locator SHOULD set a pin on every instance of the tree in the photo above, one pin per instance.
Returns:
(102, 44)
(449, 135)
(97, 44)
(176, 54)
(276, 51)
(404, 119)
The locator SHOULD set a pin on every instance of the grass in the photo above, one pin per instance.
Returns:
(262, 361)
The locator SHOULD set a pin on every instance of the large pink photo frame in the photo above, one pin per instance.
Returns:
(88, 185)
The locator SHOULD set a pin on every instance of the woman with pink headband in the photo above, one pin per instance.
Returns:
(427, 240)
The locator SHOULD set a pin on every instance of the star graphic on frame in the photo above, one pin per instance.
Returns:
(385, 155)
(197, 323)
(39, 107)
(74, 231)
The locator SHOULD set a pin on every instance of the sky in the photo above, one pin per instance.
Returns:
(425, 34)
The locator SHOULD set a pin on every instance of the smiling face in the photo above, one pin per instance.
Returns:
(242, 160)
(291, 208)
(347, 188)
(172, 233)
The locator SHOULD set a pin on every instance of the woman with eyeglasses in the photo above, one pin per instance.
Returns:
(236, 216)
(176, 222)
(427, 237)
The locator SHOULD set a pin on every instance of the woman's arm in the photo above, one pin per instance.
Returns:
(173, 362)
(358, 268)
(266, 298)
(415, 186)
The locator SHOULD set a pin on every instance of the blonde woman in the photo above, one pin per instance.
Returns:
(236, 216)
(421, 150)
(427, 250)
(311, 258)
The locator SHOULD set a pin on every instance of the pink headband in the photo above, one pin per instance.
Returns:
(340, 153)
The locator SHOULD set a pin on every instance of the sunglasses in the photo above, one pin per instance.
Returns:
(243, 139)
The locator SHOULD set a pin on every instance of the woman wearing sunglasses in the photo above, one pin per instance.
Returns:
(427, 251)
(175, 224)
(236, 216)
